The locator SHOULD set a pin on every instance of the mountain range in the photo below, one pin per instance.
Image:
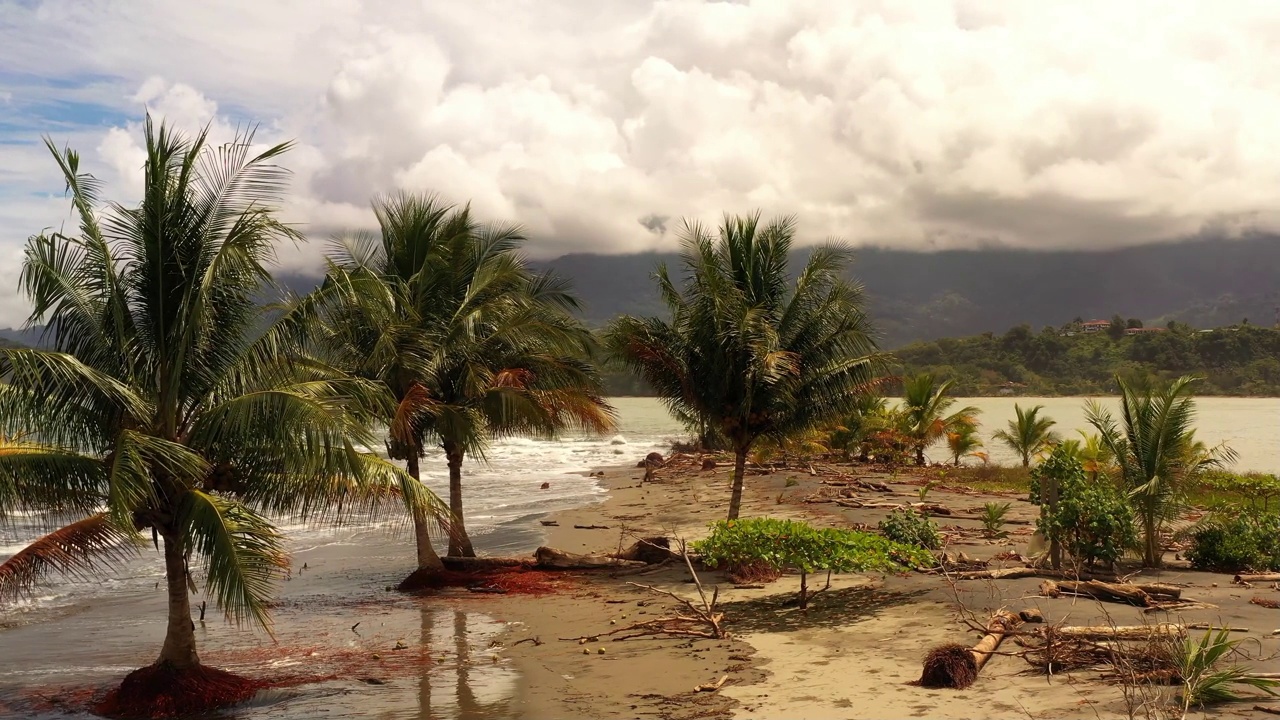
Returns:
(923, 296)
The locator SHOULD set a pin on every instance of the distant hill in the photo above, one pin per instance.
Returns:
(915, 296)
(1235, 360)
(923, 296)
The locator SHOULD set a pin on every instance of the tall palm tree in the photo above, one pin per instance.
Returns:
(1155, 446)
(924, 418)
(746, 350)
(472, 344)
(163, 405)
(1028, 434)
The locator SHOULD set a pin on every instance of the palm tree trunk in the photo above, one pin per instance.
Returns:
(920, 455)
(179, 649)
(739, 472)
(427, 557)
(1152, 537)
(459, 542)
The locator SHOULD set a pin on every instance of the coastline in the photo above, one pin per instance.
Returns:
(363, 651)
(856, 653)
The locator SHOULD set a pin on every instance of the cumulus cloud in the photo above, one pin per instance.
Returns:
(934, 124)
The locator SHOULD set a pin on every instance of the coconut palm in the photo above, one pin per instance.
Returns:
(747, 350)
(852, 431)
(163, 406)
(1155, 446)
(1028, 434)
(472, 344)
(963, 440)
(924, 418)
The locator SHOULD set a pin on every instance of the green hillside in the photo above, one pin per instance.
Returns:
(1236, 360)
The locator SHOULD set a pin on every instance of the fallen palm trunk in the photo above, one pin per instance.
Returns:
(1117, 632)
(480, 564)
(957, 666)
(1263, 577)
(1027, 572)
(1141, 595)
(560, 560)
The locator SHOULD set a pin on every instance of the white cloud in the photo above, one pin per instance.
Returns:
(924, 124)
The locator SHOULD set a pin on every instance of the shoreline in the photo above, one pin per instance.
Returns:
(854, 653)
(784, 663)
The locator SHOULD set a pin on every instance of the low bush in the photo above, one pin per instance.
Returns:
(756, 546)
(911, 528)
(1092, 519)
(1236, 541)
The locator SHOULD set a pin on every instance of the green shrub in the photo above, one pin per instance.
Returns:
(910, 528)
(1232, 542)
(791, 545)
(1092, 520)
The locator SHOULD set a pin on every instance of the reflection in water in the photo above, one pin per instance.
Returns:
(462, 679)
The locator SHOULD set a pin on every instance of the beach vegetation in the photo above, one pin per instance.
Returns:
(782, 545)
(1154, 444)
(1236, 540)
(911, 528)
(1090, 519)
(746, 350)
(923, 416)
(1028, 434)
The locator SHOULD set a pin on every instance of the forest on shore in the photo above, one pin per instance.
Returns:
(1237, 360)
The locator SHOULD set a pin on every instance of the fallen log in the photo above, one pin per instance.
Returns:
(590, 527)
(931, 509)
(1014, 573)
(1118, 632)
(1097, 591)
(649, 551)
(957, 666)
(477, 564)
(1142, 595)
(1263, 577)
(561, 560)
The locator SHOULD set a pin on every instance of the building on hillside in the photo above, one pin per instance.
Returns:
(1093, 326)
(1139, 331)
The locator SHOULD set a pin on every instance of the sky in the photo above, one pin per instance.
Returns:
(598, 124)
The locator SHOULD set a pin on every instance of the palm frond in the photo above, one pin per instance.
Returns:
(243, 553)
(79, 550)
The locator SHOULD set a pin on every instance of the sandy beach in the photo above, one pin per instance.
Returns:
(347, 646)
(855, 652)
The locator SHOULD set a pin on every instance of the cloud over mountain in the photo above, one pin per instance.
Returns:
(933, 124)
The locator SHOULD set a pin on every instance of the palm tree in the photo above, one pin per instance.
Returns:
(924, 417)
(163, 405)
(963, 440)
(854, 429)
(471, 343)
(1028, 434)
(1155, 446)
(747, 351)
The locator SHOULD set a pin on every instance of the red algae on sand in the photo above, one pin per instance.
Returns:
(514, 581)
(163, 691)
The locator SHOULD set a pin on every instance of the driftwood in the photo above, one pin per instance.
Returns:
(590, 527)
(957, 666)
(1117, 632)
(560, 560)
(1013, 573)
(1141, 595)
(702, 621)
(475, 564)
(1266, 602)
(1263, 577)
(712, 687)
(650, 551)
